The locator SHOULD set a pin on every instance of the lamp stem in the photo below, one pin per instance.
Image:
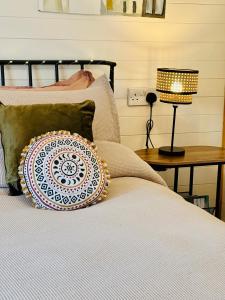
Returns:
(173, 129)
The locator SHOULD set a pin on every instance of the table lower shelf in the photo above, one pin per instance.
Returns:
(191, 181)
(201, 201)
(195, 156)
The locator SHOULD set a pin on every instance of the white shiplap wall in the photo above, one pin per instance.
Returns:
(191, 36)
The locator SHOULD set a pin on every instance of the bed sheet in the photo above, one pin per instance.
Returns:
(144, 242)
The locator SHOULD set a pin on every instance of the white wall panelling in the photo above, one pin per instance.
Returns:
(188, 139)
(191, 36)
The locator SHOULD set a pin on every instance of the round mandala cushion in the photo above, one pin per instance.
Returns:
(62, 171)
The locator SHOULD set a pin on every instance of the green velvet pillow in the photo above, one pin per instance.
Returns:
(18, 124)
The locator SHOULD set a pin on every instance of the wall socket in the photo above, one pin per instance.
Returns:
(137, 96)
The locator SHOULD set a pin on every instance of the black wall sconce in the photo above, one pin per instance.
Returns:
(154, 8)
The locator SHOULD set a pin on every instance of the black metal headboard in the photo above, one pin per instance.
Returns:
(55, 63)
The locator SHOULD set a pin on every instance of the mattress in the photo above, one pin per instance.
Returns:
(144, 242)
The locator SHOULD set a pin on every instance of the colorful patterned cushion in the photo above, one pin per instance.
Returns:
(61, 171)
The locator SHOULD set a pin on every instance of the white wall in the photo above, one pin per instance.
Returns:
(191, 36)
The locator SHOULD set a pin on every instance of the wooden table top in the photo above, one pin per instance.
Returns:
(194, 155)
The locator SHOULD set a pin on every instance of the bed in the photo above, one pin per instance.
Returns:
(143, 242)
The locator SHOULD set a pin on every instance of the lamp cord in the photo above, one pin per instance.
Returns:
(149, 126)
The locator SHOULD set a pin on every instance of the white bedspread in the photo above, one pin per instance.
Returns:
(144, 242)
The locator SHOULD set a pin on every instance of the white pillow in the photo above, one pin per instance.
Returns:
(124, 162)
(103, 82)
(105, 124)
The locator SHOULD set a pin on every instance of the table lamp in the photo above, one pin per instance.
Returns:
(176, 86)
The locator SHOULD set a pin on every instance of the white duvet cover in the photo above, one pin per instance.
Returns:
(144, 242)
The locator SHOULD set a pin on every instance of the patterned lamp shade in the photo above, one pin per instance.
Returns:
(177, 86)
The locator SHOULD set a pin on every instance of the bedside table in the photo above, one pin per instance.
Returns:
(195, 156)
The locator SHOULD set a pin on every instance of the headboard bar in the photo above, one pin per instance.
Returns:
(56, 73)
(2, 75)
(56, 63)
(30, 74)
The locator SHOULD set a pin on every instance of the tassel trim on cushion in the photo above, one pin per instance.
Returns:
(25, 187)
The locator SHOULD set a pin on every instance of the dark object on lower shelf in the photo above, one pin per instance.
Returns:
(211, 210)
(200, 201)
(175, 151)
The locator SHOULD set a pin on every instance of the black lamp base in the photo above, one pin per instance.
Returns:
(175, 152)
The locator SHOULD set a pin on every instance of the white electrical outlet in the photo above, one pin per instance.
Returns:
(137, 96)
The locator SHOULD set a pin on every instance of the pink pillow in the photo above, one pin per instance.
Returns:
(8, 87)
(78, 81)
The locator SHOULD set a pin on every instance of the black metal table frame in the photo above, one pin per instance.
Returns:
(191, 179)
